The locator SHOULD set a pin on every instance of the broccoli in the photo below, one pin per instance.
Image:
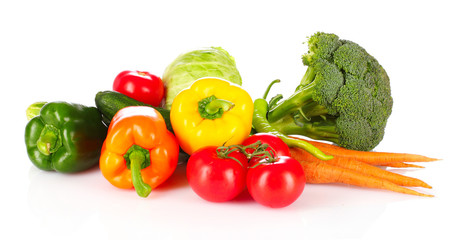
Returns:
(344, 96)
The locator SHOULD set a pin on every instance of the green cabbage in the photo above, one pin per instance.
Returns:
(190, 66)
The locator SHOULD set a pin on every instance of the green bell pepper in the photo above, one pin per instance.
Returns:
(65, 137)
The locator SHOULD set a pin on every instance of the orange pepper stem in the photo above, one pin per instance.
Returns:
(137, 158)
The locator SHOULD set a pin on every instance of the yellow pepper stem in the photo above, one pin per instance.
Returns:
(212, 107)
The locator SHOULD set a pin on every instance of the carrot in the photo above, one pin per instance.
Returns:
(399, 165)
(318, 171)
(372, 158)
(366, 169)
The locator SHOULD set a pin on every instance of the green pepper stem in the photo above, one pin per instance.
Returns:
(137, 158)
(265, 95)
(49, 140)
(216, 104)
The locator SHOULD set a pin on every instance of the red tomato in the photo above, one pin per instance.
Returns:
(216, 179)
(276, 184)
(277, 145)
(142, 86)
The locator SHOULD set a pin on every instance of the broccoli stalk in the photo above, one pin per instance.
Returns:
(300, 115)
(344, 96)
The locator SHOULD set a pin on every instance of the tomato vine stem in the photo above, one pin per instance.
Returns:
(260, 150)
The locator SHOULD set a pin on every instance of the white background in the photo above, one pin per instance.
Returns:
(59, 50)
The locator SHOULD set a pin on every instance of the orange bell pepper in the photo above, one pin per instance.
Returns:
(138, 151)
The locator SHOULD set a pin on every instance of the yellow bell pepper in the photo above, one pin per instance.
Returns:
(212, 112)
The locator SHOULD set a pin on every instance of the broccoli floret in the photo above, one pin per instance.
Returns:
(344, 96)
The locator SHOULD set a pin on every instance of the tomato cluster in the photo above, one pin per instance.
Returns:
(262, 164)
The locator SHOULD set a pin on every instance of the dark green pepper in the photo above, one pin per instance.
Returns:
(65, 137)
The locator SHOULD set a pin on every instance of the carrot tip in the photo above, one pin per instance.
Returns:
(433, 159)
(413, 192)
